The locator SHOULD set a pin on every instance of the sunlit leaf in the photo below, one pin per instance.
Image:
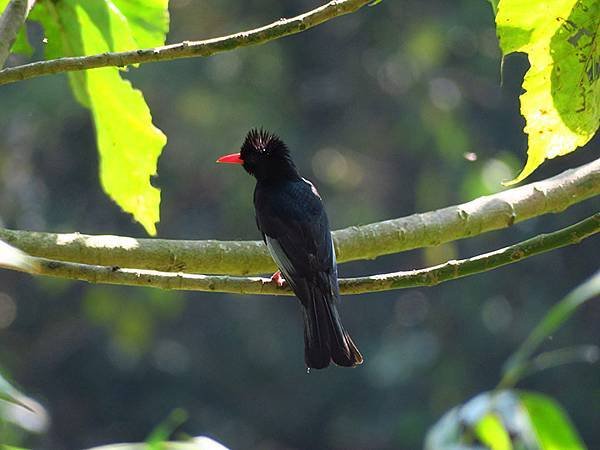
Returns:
(147, 19)
(62, 39)
(561, 103)
(552, 427)
(128, 142)
(492, 433)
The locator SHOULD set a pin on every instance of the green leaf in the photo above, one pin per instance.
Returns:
(492, 433)
(551, 425)
(504, 420)
(147, 19)
(481, 420)
(561, 103)
(557, 315)
(128, 143)
(21, 44)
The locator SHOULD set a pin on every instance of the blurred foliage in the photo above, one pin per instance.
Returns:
(505, 420)
(562, 87)
(519, 363)
(10, 394)
(395, 109)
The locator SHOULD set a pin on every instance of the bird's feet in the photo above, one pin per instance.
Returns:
(278, 279)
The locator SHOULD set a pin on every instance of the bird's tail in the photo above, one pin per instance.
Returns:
(325, 339)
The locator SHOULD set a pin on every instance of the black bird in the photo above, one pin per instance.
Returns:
(294, 225)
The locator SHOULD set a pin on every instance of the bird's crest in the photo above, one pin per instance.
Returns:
(261, 141)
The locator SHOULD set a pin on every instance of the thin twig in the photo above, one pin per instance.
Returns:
(354, 243)
(186, 49)
(254, 285)
(12, 19)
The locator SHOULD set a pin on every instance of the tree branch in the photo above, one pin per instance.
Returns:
(12, 19)
(186, 49)
(354, 243)
(384, 282)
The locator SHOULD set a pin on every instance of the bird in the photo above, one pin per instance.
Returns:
(292, 220)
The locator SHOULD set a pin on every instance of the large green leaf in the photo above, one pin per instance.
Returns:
(561, 103)
(551, 425)
(128, 143)
(148, 20)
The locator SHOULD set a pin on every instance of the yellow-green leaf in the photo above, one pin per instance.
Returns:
(128, 143)
(147, 19)
(551, 425)
(561, 103)
(492, 433)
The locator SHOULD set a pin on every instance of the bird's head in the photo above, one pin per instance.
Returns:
(265, 156)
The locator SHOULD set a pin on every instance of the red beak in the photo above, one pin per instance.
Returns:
(234, 158)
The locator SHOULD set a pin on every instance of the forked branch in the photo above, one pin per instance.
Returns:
(254, 285)
(476, 217)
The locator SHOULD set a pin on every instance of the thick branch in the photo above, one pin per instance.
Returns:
(359, 242)
(186, 49)
(384, 282)
(12, 19)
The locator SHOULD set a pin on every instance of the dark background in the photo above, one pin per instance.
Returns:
(379, 109)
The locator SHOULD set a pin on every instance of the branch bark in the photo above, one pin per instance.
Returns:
(354, 243)
(186, 49)
(12, 19)
(384, 282)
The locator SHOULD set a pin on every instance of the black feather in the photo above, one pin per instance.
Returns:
(295, 227)
(267, 157)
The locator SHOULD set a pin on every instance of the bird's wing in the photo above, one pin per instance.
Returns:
(297, 235)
